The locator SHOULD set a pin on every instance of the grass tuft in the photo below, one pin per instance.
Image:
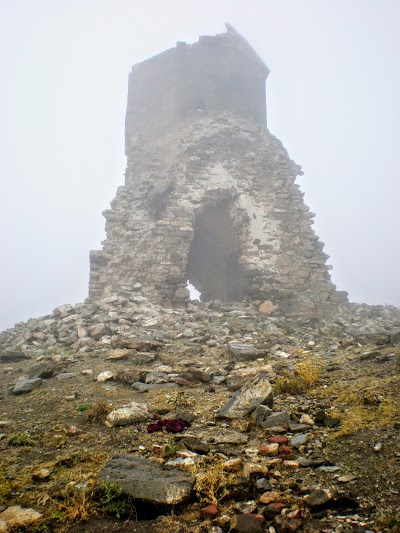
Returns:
(98, 412)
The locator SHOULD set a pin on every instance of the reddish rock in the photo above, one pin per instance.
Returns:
(280, 439)
(269, 449)
(210, 511)
(284, 450)
(275, 508)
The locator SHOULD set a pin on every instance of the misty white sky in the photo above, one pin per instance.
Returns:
(332, 97)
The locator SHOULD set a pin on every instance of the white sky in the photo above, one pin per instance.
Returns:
(332, 96)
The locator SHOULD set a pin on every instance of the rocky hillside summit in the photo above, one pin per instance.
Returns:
(125, 416)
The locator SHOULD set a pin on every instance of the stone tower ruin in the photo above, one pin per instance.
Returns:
(210, 195)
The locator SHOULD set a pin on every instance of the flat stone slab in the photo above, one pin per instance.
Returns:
(26, 385)
(146, 480)
(280, 418)
(243, 352)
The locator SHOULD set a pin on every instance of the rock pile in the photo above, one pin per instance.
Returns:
(290, 426)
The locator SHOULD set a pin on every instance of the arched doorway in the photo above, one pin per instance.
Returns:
(213, 259)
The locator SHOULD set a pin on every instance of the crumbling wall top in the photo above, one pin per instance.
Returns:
(220, 73)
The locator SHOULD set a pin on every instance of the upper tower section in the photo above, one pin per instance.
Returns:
(217, 74)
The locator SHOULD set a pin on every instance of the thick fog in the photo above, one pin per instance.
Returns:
(332, 99)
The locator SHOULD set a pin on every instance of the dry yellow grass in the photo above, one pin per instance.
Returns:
(310, 370)
(211, 480)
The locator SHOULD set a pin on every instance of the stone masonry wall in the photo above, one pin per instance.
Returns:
(221, 164)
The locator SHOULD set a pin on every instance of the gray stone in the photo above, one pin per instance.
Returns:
(243, 352)
(157, 377)
(227, 436)
(141, 387)
(261, 412)
(298, 428)
(143, 357)
(298, 440)
(26, 385)
(257, 391)
(148, 481)
(66, 375)
(44, 369)
(98, 330)
(62, 311)
(276, 419)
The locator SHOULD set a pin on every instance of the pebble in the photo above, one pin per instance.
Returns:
(298, 440)
(269, 497)
(269, 449)
(291, 464)
(330, 469)
(346, 478)
(66, 375)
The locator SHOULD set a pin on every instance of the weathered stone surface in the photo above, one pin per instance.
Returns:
(26, 385)
(243, 352)
(246, 523)
(298, 440)
(136, 344)
(104, 376)
(44, 369)
(135, 412)
(269, 449)
(195, 445)
(146, 480)
(97, 331)
(119, 353)
(276, 419)
(226, 436)
(261, 412)
(255, 392)
(318, 497)
(66, 375)
(16, 516)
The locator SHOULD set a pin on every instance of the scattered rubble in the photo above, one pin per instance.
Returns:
(308, 432)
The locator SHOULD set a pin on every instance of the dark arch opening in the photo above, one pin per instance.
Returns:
(213, 259)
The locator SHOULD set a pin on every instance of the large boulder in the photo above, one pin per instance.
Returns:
(255, 392)
(146, 480)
